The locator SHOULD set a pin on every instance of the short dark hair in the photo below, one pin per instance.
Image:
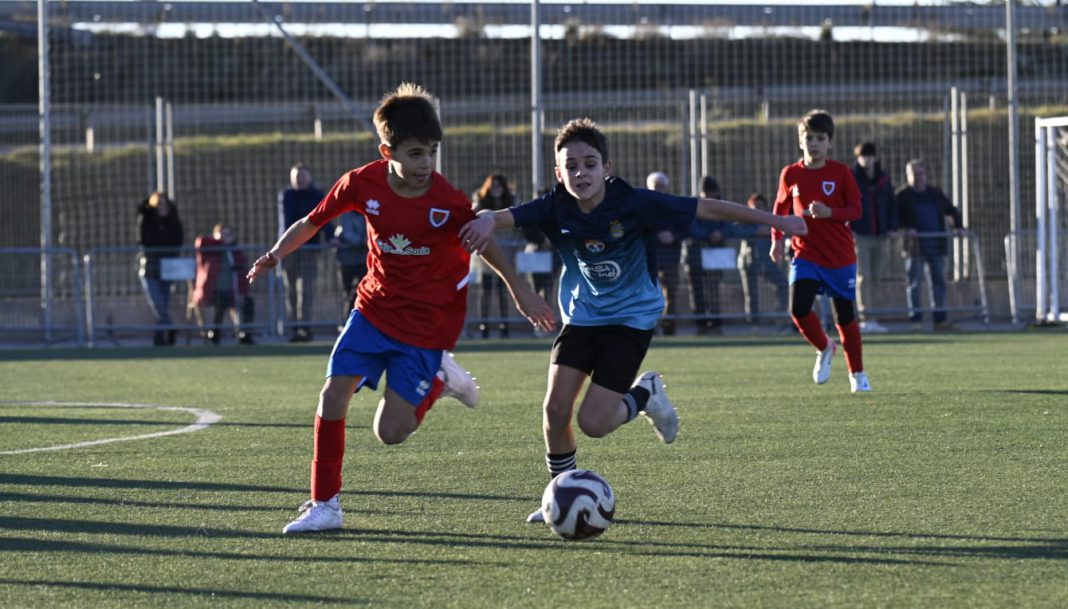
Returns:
(817, 121)
(585, 131)
(864, 149)
(709, 184)
(407, 113)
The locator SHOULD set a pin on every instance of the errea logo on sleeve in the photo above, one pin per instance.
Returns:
(372, 206)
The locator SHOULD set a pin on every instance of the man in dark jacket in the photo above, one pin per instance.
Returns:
(668, 257)
(299, 271)
(870, 231)
(160, 234)
(922, 210)
(704, 284)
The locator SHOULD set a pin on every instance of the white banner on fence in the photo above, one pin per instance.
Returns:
(177, 269)
(534, 262)
(718, 258)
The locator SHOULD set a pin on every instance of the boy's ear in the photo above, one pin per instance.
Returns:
(385, 151)
(556, 172)
(607, 167)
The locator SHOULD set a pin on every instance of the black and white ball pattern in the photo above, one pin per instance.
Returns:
(578, 504)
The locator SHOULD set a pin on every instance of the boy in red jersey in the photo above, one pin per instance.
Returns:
(411, 304)
(825, 262)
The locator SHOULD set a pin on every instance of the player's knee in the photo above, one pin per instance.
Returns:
(844, 312)
(593, 426)
(556, 416)
(392, 434)
(333, 404)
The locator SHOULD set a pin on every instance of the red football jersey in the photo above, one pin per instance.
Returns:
(829, 242)
(415, 289)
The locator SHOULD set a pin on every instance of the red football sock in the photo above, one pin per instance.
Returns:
(812, 330)
(329, 452)
(850, 335)
(428, 402)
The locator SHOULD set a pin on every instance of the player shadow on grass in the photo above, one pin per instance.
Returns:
(27, 544)
(1028, 391)
(1045, 548)
(606, 544)
(911, 555)
(85, 482)
(212, 593)
(34, 420)
(176, 485)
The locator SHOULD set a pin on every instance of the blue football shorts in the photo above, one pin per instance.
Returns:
(839, 283)
(362, 350)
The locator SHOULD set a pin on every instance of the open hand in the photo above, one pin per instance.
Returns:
(262, 264)
(476, 234)
(776, 252)
(535, 309)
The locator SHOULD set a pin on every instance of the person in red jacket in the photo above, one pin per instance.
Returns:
(221, 281)
(825, 193)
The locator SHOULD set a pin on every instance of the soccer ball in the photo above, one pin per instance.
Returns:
(578, 504)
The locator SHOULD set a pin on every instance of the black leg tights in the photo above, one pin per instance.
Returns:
(803, 295)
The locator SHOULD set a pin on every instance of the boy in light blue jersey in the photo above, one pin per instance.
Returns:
(610, 299)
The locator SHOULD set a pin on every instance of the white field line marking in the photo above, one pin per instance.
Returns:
(204, 419)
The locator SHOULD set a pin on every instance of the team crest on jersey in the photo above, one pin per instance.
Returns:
(594, 246)
(828, 188)
(372, 206)
(615, 229)
(438, 217)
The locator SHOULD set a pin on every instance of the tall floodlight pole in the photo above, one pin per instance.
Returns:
(1014, 148)
(536, 165)
(44, 121)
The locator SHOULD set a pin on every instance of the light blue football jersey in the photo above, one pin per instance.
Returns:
(609, 273)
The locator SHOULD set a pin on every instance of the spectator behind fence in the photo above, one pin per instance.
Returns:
(668, 256)
(753, 262)
(221, 282)
(493, 195)
(704, 284)
(300, 270)
(877, 221)
(350, 238)
(159, 227)
(923, 209)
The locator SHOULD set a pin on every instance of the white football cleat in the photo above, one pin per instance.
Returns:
(658, 409)
(459, 383)
(536, 517)
(316, 516)
(858, 382)
(822, 370)
(872, 326)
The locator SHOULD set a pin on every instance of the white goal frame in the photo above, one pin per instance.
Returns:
(1047, 238)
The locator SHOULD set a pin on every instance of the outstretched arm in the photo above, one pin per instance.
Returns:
(294, 237)
(477, 233)
(716, 209)
(531, 305)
